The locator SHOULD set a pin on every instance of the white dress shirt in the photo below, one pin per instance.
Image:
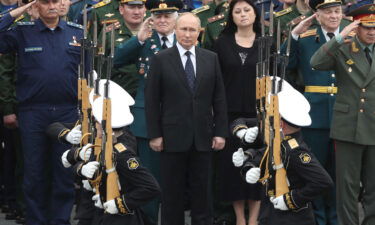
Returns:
(170, 41)
(337, 31)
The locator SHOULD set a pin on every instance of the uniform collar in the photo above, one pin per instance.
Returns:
(41, 26)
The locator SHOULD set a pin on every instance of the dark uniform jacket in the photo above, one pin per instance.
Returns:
(138, 186)
(307, 179)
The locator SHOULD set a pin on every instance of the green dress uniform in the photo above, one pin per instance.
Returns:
(126, 75)
(353, 125)
(214, 27)
(207, 11)
(131, 52)
(105, 12)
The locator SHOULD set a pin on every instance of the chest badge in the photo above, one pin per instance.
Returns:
(74, 42)
(109, 15)
(305, 158)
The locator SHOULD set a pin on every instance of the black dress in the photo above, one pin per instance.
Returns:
(238, 65)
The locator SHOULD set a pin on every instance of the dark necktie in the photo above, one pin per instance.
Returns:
(164, 45)
(189, 70)
(368, 56)
(330, 35)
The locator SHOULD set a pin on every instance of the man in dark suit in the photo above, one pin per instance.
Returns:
(353, 122)
(186, 119)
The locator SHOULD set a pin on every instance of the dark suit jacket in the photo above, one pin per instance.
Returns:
(174, 112)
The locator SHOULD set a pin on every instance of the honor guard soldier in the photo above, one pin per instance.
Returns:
(353, 113)
(155, 34)
(132, 14)
(136, 184)
(320, 89)
(45, 47)
(306, 178)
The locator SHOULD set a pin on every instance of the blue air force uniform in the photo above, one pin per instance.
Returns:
(47, 92)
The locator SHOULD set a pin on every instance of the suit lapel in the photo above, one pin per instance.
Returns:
(178, 67)
(199, 64)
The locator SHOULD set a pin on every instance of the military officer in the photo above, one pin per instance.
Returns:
(132, 12)
(140, 49)
(353, 120)
(211, 9)
(320, 89)
(306, 176)
(43, 99)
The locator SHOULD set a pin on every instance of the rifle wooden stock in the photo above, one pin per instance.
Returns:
(85, 105)
(112, 184)
(281, 184)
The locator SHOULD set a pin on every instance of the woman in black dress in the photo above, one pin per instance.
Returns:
(237, 51)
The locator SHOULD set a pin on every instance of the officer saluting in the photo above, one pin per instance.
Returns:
(353, 112)
(48, 57)
(306, 177)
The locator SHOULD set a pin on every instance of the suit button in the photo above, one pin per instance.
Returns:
(363, 90)
(361, 110)
(362, 100)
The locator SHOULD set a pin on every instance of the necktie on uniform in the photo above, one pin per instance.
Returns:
(189, 70)
(330, 35)
(368, 56)
(164, 45)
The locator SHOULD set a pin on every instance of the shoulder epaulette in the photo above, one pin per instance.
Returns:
(101, 4)
(25, 23)
(19, 18)
(297, 20)
(201, 9)
(120, 147)
(225, 5)
(216, 18)
(74, 25)
(293, 143)
(309, 33)
(283, 12)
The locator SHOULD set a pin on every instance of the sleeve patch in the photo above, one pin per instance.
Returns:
(120, 147)
(305, 158)
(133, 164)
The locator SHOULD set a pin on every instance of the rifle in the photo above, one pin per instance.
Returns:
(109, 189)
(83, 97)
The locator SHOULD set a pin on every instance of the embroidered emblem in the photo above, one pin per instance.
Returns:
(74, 42)
(109, 14)
(305, 158)
(350, 62)
(293, 143)
(120, 147)
(132, 163)
(354, 47)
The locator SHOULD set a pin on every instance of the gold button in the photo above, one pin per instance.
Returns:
(361, 110)
(363, 90)
(362, 100)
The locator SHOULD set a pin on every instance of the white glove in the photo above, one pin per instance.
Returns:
(74, 136)
(64, 160)
(239, 157)
(97, 201)
(86, 185)
(241, 133)
(279, 203)
(253, 175)
(89, 169)
(251, 134)
(85, 152)
(110, 207)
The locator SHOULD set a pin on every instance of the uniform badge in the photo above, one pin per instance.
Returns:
(74, 42)
(141, 71)
(132, 163)
(354, 47)
(120, 147)
(109, 14)
(293, 143)
(350, 62)
(34, 49)
(119, 39)
(305, 158)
